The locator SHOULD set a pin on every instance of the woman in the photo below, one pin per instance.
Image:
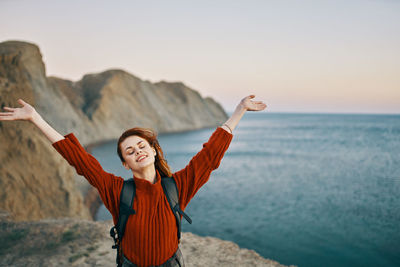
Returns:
(150, 237)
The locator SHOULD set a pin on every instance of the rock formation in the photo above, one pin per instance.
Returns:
(35, 182)
(112, 101)
(68, 242)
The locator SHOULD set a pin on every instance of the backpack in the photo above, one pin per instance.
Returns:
(126, 209)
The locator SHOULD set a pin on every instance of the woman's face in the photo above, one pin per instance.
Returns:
(137, 153)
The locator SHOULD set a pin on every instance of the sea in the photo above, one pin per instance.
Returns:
(302, 189)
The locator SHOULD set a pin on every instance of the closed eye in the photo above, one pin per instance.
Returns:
(133, 151)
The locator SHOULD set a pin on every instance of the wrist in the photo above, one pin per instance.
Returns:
(240, 108)
(35, 117)
(228, 127)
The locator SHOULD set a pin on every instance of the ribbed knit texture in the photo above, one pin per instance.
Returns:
(151, 234)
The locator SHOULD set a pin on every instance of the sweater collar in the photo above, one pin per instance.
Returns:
(145, 185)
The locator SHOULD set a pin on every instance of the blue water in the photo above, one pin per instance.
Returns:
(303, 189)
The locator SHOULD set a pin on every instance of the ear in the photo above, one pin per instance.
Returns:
(125, 165)
(155, 152)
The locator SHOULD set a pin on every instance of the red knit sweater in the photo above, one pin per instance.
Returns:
(151, 234)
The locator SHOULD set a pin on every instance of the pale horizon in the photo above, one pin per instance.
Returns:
(298, 57)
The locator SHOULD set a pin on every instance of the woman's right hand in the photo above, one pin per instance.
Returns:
(26, 112)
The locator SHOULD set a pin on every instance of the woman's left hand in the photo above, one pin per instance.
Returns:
(251, 105)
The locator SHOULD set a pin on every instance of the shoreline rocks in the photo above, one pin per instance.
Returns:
(71, 242)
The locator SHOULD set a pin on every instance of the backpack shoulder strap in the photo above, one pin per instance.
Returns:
(125, 205)
(125, 210)
(171, 192)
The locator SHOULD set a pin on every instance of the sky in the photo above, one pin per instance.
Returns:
(296, 56)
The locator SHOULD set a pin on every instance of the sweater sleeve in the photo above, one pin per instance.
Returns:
(198, 171)
(108, 185)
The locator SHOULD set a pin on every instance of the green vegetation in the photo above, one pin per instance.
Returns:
(51, 245)
(77, 256)
(68, 236)
(103, 253)
(92, 248)
(9, 240)
(41, 242)
(71, 234)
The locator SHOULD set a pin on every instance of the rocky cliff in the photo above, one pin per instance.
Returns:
(107, 103)
(37, 183)
(68, 242)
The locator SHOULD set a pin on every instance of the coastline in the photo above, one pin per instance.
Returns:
(89, 147)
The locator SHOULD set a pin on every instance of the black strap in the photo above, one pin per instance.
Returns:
(126, 205)
(125, 210)
(171, 192)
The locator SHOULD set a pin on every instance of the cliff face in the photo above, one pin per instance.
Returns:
(35, 182)
(107, 103)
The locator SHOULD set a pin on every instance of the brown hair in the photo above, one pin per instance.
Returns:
(151, 137)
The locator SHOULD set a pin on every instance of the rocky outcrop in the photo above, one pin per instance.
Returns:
(68, 242)
(35, 182)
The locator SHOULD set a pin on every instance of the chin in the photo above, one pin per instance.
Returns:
(144, 164)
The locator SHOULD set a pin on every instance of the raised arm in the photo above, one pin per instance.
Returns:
(28, 113)
(69, 147)
(197, 172)
(246, 104)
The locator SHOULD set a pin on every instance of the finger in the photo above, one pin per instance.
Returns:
(22, 102)
(6, 113)
(260, 106)
(7, 118)
(10, 118)
(9, 109)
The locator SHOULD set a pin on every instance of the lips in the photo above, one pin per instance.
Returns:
(141, 158)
